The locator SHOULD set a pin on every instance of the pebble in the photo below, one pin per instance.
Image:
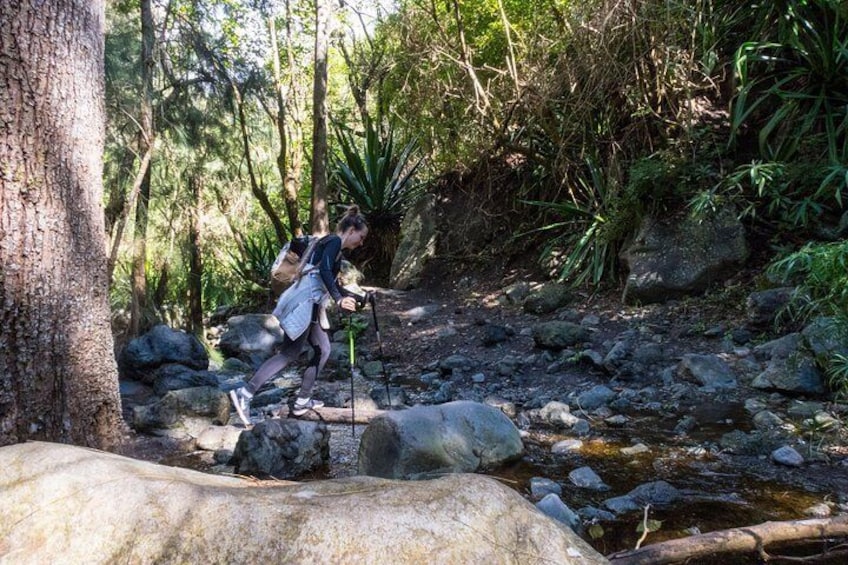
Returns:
(635, 449)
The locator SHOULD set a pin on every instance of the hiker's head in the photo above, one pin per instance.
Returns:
(352, 228)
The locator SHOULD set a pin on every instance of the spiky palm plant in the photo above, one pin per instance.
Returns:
(379, 176)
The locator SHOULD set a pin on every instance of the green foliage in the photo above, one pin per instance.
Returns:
(252, 267)
(793, 77)
(581, 247)
(837, 374)
(379, 176)
(796, 76)
(820, 271)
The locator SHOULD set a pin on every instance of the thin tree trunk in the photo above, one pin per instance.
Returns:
(139, 280)
(58, 377)
(128, 204)
(195, 271)
(319, 217)
(294, 125)
(289, 197)
(480, 95)
(116, 192)
(257, 189)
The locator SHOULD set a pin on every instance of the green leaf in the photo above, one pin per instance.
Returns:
(596, 531)
(652, 525)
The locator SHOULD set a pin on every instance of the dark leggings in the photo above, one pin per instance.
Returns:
(290, 350)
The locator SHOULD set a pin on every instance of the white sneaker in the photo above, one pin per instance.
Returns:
(303, 405)
(241, 400)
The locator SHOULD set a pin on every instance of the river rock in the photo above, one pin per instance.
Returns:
(780, 348)
(455, 362)
(657, 493)
(567, 446)
(826, 337)
(558, 334)
(707, 370)
(175, 377)
(595, 397)
(494, 334)
(763, 307)
(160, 346)
(585, 477)
(540, 487)
(621, 504)
(557, 414)
(547, 298)
(786, 455)
(553, 506)
(796, 374)
(516, 293)
(252, 338)
(219, 438)
(282, 449)
(459, 436)
(418, 314)
(97, 507)
(674, 257)
(178, 406)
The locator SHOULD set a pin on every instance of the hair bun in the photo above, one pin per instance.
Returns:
(353, 210)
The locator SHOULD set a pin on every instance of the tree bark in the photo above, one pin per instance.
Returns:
(289, 189)
(58, 377)
(750, 540)
(319, 218)
(257, 189)
(195, 271)
(139, 278)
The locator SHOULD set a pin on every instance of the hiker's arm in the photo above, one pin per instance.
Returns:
(325, 267)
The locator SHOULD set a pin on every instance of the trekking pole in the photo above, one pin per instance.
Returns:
(352, 365)
(373, 302)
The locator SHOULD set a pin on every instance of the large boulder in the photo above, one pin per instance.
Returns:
(188, 409)
(65, 504)
(251, 337)
(791, 366)
(455, 437)
(669, 259)
(284, 449)
(143, 356)
(418, 244)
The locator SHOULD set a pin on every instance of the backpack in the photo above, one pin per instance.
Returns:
(288, 266)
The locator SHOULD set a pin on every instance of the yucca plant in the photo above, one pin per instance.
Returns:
(581, 244)
(379, 176)
(794, 94)
(252, 266)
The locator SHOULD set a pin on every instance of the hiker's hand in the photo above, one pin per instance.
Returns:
(348, 304)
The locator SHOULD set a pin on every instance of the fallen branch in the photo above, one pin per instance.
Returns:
(336, 415)
(750, 539)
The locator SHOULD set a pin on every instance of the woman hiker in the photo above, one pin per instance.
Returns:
(301, 312)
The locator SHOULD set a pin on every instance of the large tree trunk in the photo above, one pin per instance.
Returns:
(319, 219)
(58, 378)
(139, 279)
